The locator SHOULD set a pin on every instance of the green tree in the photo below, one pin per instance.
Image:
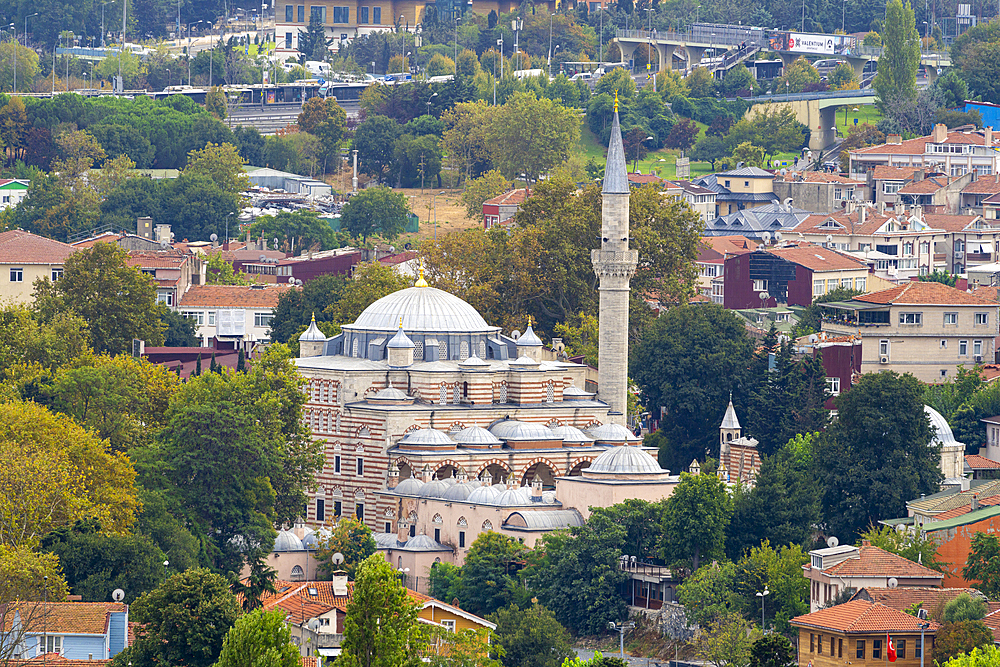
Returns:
(375, 140)
(530, 136)
(897, 71)
(773, 127)
(939, 276)
(489, 575)
(877, 455)
(688, 361)
(709, 149)
(843, 77)
(531, 637)
(478, 190)
(350, 538)
(215, 102)
(581, 337)
(219, 271)
(983, 564)
(380, 629)
(738, 80)
(746, 154)
(700, 82)
(96, 563)
(797, 76)
(772, 650)
(259, 638)
(778, 570)
(695, 519)
(375, 211)
(221, 163)
(312, 43)
(727, 641)
(298, 231)
(954, 639)
(708, 593)
(641, 520)
(964, 608)
(985, 657)
(27, 66)
(117, 301)
(915, 547)
(440, 65)
(184, 621)
(445, 581)
(24, 340)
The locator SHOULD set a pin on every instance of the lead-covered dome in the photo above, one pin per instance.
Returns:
(939, 425)
(421, 310)
(287, 541)
(625, 460)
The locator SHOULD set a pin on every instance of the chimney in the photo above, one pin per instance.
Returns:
(940, 134)
(989, 136)
(339, 583)
(975, 502)
(896, 139)
(402, 531)
(918, 175)
(861, 215)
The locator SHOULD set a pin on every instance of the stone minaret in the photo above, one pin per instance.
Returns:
(614, 265)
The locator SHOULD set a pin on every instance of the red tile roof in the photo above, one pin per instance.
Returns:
(949, 223)
(917, 146)
(169, 259)
(992, 621)
(977, 462)
(399, 258)
(984, 185)
(510, 198)
(233, 296)
(925, 293)
(924, 186)
(817, 258)
(887, 173)
(816, 177)
(876, 562)
(965, 509)
(849, 224)
(20, 247)
(729, 244)
(86, 618)
(862, 617)
(59, 660)
(643, 179)
(902, 598)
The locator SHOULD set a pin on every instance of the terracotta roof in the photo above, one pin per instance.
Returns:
(729, 244)
(965, 509)
(876, 562)
(887, 173)
(510, 198)
(816, 177)
(85, 618)
(106, 237)
(817, 258)
(861, 617)
(949, 223)
(925, 293)
(902, 598)
(233, 296)
(977, 462)
(984, 185)
(988, 292)
(917, 146)
(55, 658)
(399, 258)
(699, 298)
(849, 223)
(643, 179)
(924, 186)
(169, 259)
(992, 621)
(20, 247)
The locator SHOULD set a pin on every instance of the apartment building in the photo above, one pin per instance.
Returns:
(949, 152)
(712, 255)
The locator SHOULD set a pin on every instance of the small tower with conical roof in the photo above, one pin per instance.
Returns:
(400, 348)
(614, 265)
(529, 344)
(730, 428)
(312, 340)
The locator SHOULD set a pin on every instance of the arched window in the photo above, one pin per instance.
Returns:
(463, 350)
(354, 348)
(487, 526)
(729, 437)
(444, 395)
(482, 349)
(462, 522)
(465, 390)
(454, 394)
(437, 519)
(297, 574)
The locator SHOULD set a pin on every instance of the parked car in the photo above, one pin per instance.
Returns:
(826, 66)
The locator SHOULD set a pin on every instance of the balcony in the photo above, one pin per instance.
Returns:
(978, 257)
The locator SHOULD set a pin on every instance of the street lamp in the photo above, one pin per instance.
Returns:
(103, 43)
(434, 202)
(635, 163)
(621, 628)
(429, 103)
(516, 25)
(15, 45)
(923, 647)
(168, 77)
(189, 50)
(762, 595)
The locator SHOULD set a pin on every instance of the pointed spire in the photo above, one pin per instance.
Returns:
(420, 281)
(730, 421)
(615, 171)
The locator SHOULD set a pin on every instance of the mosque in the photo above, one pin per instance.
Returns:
(438, 426)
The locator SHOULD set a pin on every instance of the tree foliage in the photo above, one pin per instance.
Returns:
(983, 564)
(897, 70)
(727, 641)
(695, 519)
(489, 575)
(350, 538)
(915, 547)
(478, 190)
(375, 211)
(954, 639)
(259, 638)
(531, 637)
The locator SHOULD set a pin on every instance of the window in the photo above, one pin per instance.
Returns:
(818, 286)
(876, 649)
(832, 645)
(910, 318)
(760, 286)
(963, 348)
(461, 539)
(317, 13)
(860, 284)
(958, 169)
(262, 319)
(338, 507)
(727, 184)
(977, 348)
(448, 625)
(301, 13)
(950, 318)
(341, 14)
(413, 530)
(17, 275)
(838, 193)
(833, 385)
(944, 344)
(288, 40)
(336, 464)
(908, 248)
(320, 509)
(377, 15)
(840, 648)
(361, 466)
(925, 248)
(847, 283)
(56, 274)
(196, 315)
(901, 648)
(917, 647)
(891, 189)
(860, 645)
(363, 15)
(883, 348)
(982, 318)
(289, 13)
(359, 511)
(819, 644)
(437, 534)
(388, 527)
(746, 184)
(831, 284)
(166, 298)
(53, 644)
(812, 643)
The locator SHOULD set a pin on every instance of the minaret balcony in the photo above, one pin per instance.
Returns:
(614, 262)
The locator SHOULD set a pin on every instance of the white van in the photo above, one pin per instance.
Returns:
(317, 68)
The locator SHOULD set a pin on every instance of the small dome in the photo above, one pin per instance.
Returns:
(574, 393)
(385, 540)
(939, 425)
(287, 541)
(400, 340)
(612, 434)
(524, 362)
(473, 362)
(460, 492)
(423, 543)
(427, 437)
(424, 310)
(309, 540)
(529, 339)
(409, 487)
(624, 460)
(512, 429)
(572, 435)
(434, 489)
(549, 497)
(511, 498)
(312, 334)
(450, 481)
(390, 393)
(484, 495)
(475, 435)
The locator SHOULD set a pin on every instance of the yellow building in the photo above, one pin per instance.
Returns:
(739, 189)
(26, 257)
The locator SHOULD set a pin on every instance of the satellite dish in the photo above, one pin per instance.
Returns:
(777, 236)
(893, 582)
(832, 542)
(313, 624)
(766, 236)
(515, 334)
(764, 296)
(214, 237)
(118, 595)
(262, 257)
(337, 558)
(829, 238)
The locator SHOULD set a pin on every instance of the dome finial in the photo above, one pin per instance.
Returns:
(420, 281)
(616, 100)
(314, 316)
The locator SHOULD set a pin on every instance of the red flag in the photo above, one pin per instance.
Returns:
(891, 651)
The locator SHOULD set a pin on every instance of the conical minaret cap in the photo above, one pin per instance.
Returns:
(615, 171)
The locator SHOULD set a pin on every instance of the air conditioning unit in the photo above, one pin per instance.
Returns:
(979, 358)
(959, 253)
(922, 614)
(883, 360)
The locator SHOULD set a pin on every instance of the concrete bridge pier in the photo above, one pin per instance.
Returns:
(825, 132)
(628, 50)
(694, 54)
(665, 56)
(858, 63)
(932, 74)
(787, 59)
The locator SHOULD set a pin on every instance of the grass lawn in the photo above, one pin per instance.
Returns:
(866, 113)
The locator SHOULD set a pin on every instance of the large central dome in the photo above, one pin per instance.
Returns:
(422, 310)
